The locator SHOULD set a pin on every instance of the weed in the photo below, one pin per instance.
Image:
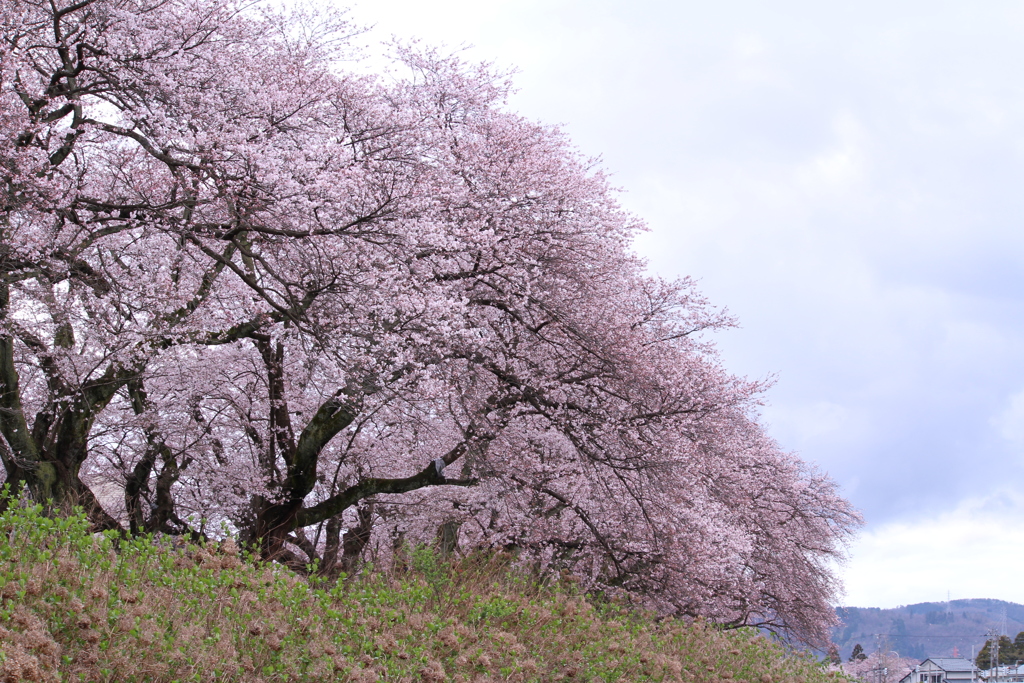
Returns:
(74, 609)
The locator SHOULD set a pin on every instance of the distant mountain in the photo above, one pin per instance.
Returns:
(927, 629)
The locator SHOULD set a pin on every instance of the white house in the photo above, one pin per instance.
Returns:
(943, 670)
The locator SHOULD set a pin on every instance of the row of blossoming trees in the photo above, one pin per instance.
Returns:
(341, 312)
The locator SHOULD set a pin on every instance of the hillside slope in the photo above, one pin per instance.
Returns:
(927, 629)
(77, 606)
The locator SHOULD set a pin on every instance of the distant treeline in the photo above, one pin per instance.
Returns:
(1007, 652)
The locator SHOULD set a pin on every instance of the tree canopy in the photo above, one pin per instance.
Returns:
(336, 312)
(1010, 652)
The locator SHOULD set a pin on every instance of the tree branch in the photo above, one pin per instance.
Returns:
(430, 475)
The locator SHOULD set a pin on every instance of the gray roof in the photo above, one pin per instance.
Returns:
(952, 663)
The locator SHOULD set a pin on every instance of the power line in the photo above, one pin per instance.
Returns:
(913, 635)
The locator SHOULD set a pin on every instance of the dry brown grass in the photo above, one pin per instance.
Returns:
(73, 609)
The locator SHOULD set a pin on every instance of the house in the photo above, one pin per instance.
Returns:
(943, 670)
(1004, 674)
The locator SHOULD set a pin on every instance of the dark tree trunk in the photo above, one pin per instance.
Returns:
(160, 506)
(356, 539)
(448, 538)
(273, 524)
(275, 521)
(332, 546)
(48, 457)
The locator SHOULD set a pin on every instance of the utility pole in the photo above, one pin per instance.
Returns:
(993, 653)
(878, 657)
(995, 657)
(882, 657)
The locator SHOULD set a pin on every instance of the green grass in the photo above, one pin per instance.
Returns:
(72, 608)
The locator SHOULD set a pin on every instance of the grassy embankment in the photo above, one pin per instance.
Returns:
(71, 608)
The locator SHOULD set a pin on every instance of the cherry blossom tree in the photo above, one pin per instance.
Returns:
(880, 667)
(341, 313)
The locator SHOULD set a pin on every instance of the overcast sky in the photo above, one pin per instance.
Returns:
(846, 180)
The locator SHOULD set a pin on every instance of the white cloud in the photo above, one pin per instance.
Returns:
(799, 425)
(975, 550)
(841, 168)
(1010, 422)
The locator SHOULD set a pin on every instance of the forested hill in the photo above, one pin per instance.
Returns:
(927, 629)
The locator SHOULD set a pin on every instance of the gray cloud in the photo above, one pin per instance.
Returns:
(846, 180)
